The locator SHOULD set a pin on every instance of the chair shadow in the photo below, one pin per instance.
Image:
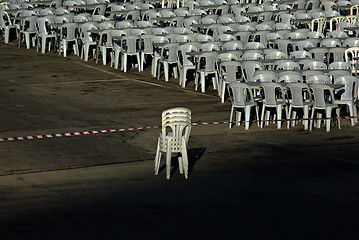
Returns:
(193, 154)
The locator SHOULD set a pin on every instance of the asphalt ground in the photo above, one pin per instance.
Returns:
(256, 184)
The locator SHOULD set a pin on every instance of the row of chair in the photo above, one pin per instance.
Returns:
(291, 98)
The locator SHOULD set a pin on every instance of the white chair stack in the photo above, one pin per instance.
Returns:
(176, 127)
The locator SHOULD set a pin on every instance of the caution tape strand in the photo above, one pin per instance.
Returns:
(70, 134)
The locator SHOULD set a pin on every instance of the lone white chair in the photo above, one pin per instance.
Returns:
(176, 127)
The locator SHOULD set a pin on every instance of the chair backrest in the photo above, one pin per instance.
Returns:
(207, 61)
(179, 130)
(254, 45)
(298, 94)
(290, 77)
(209, 46)
(183, 58)
(337, 34)
(5, 19)
(351, 85)
(225, 37)
(85, 36)
(317, 24)
(131, 44)
(313, 65)
(300, 54)
(351, 42)
(252, 55)
(249, 67)
(68, 31)
(29, 24)
(233, 45)
(240, 94)
(231, 71)
(272, 93)
(322, 94)
(175, 112)
(351, 54)
(321, 79)
(315, 35)
(330, 42)
(106, 25)
(301, 45)
(42, 25)
(275, 54)
(339, 65)
(169, 52)
(265, 76)
(286, 65)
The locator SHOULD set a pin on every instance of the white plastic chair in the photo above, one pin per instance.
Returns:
(273, 96)
(323, 101)
(44, 33)
(130, 47)
(299, 97)
(206, 65)
(168, 58)
(349, 96)
(6, 25)
(176, 128)
(28, 30)
(157, 53)
(242, 98)
(229, 72)
(86, 39)
(351, 55)
(114, 45)
(185, 62)
(68, 34)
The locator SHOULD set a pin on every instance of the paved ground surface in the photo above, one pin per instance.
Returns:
(256, 184)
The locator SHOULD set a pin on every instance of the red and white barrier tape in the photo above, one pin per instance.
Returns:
(70, 134)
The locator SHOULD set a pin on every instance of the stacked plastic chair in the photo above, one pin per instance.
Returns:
(176, 128)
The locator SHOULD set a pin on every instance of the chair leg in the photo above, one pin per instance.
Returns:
(247, 114)
(203, 82)
(290, 120)
(43, 45)
(257, 115)
(168, 159)
(238, 118)
(352, 113)
(279, 117)
(328, 114)
(338, 117)
(139, 62)
(305, 116)
(166, 69)
(223, 91)
(262, 116)
(311, 120)
(184, 158)
(158, 156)
(180, 164)
(231, 117)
